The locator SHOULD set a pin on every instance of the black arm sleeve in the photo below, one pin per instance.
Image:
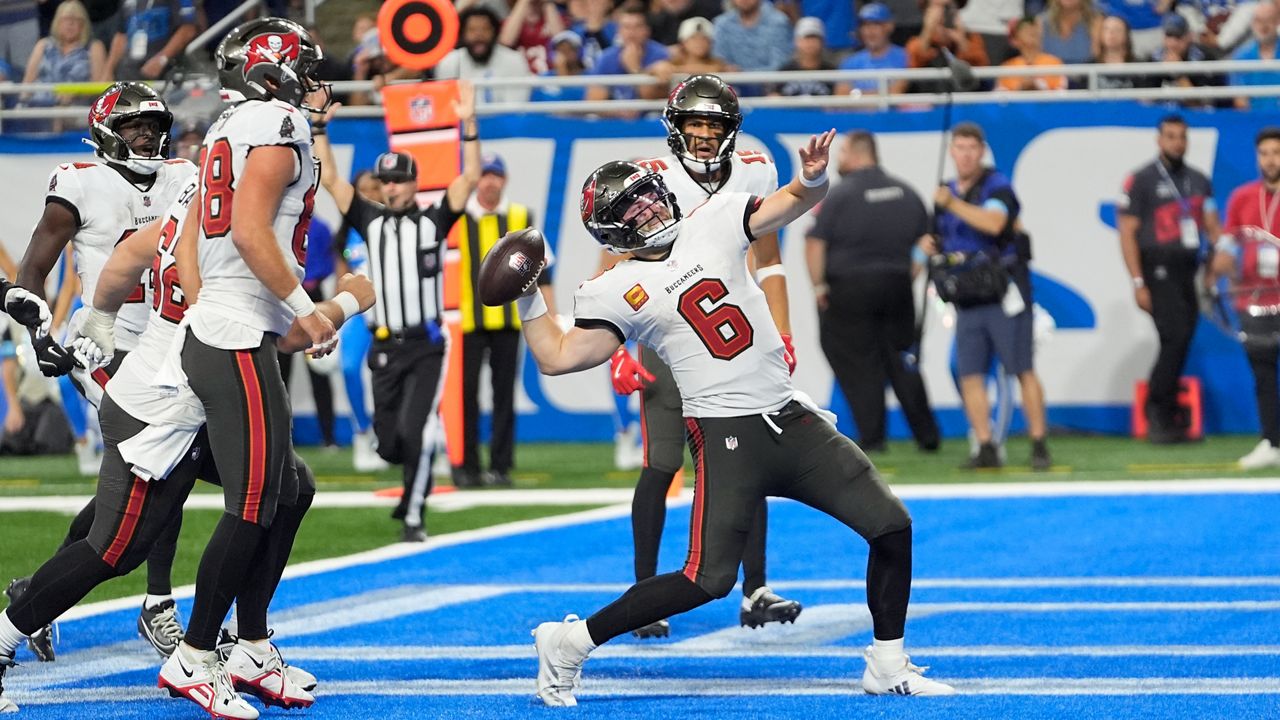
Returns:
(361, 213)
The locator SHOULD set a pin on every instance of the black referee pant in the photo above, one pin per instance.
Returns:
(406, 392)
(868, 333)
(1175, 310)
(502, 347)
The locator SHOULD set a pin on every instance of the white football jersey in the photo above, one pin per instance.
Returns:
(701, 311)
(109, 209)
(751, 171)
(234, 307)
(131, 386)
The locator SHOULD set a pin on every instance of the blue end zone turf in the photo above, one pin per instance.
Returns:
(1119, 607)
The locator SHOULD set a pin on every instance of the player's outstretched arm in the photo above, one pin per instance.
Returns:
(337, 186)
(268, 170)
(800, 195)
(462, 186)
(354, 295)
(558, 352)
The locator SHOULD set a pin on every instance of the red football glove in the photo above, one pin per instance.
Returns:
(788, 353)
(627, 373)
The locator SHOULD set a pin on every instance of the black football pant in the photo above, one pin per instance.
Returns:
(163, 550)
(1175, 310)
(406, 394)
(868, 333)
(742, 460)
(662, 426)
(321, 392)
(501, 348)
(1264, 357)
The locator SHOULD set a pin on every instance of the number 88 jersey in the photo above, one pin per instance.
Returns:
(235, 308)
(701, 311)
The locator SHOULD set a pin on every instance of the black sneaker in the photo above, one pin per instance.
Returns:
(465, 478)
(161, 627)
(657, 629)
(413, 534)
(498, 478)
(41, 641)
(764, 606)
(1040, 459)
(6, 705)
(988, 457)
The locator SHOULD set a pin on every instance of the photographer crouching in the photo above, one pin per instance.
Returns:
(980, 264)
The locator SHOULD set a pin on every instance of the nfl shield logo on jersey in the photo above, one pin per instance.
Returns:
(421, 110)
(731, 442)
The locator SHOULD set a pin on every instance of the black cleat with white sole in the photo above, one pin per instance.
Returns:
(656, 629)
(766, 606)
(41, 641)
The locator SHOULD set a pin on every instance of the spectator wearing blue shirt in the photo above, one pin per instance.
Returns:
(1262, 47)
(753, 35)
(152, 35)
(875, 27)
(565, 61)
(633, 53)
(1144, 18)
(596, 31)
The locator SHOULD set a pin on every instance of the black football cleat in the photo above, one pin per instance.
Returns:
(41, 642)
(764, 606)
(657, 629)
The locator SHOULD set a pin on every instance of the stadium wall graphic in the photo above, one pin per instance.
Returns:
(1067, 162)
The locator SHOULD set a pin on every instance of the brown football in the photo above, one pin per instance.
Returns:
(511, 267)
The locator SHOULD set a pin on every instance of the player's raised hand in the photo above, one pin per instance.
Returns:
(465, 105)
(814, 156)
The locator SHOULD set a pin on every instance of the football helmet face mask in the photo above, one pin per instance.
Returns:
(710, 98)
(626, 207)
(141, 149)
(271, 58)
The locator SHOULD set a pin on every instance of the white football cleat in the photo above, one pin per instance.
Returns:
(558, 675)
(364, 457)
(1264, 455)
(263, 673)
(206, 684)
(906, 679)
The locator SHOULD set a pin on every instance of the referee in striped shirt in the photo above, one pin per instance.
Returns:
(406, 258)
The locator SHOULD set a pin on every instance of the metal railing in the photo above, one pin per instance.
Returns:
(1090, 89)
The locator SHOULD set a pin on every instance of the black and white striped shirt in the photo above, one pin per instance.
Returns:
(406, 257)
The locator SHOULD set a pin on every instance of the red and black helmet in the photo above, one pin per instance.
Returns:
(121, 102)
(270, 58)
(611, 191)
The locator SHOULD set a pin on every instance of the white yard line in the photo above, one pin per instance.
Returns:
(715, 687)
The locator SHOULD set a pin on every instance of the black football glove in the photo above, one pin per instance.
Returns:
(26, 308)
(54, 360)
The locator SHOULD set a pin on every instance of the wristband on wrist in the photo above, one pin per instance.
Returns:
(350, 306)
(531, 307)
(299, 302)
(1139, 283)
(471, 138)
(821, 289)
(816, 182)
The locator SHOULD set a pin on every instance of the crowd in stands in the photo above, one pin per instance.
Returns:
(104, 40)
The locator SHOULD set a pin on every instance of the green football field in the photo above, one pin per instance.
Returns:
(28, 538)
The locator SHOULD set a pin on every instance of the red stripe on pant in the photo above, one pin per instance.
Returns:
(129, 523)
(100, 376)
(694, 562)
(257, 450)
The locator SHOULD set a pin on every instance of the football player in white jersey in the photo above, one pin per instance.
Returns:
(93, 206)
(155, 450)
(702, 118)
(257, 191)
(687, 294)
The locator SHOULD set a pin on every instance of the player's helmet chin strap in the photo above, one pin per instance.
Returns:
(140, 164)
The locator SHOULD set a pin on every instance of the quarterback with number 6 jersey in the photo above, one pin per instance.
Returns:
(685, 292)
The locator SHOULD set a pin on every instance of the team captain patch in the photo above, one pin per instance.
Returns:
(636, 297)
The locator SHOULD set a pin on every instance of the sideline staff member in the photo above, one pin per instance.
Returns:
(860, 260)
(1165, 211)
(406, 255)
(976, 214)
